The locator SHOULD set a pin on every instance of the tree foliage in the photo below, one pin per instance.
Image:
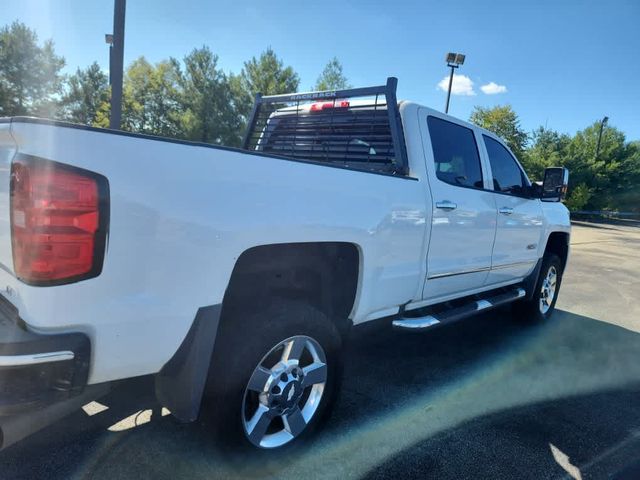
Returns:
(608, 182)
(210, 113)
(504, 122)
(150, 99)
(30, 75)
(268, 75)
(545, 150)
(579, 197)
(332, 77)
(85, 93)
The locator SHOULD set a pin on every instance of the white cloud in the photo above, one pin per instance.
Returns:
(493, 88)
(462, 85)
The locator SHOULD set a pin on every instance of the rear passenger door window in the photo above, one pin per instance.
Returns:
(455, 153)
(507, 175)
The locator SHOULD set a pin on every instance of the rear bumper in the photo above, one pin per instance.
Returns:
(37, 370)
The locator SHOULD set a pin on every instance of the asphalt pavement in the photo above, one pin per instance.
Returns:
(488, 397)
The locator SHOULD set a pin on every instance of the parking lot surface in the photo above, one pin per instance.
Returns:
(488, 397)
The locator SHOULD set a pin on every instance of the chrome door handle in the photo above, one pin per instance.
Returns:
(446, 205)
(506, 210)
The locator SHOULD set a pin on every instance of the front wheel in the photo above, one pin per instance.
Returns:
(273, 376)
(541, 306)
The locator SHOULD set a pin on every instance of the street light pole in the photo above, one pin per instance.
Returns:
(454, 60)
(116, 61)
(602, 124)
(446, 108)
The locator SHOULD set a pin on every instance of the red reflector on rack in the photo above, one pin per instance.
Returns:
(57, 226)
(316, 107)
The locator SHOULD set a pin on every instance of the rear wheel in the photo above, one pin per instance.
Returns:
(542, 305)
(274, 376)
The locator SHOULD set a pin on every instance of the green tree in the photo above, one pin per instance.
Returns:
(266, 75)
(504, 122)
(30, 76)
(613, 176)
(578, 197)
(332, 77)
(209, 101)
(628, 195)
(547, 149)
(585, 169)
(609, 181)
(103, 113)
(242, 100)
(86, 91)
(151, 101)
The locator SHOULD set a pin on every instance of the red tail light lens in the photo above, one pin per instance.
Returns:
(59, 218)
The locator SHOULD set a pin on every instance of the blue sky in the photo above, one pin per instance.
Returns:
(564, 64)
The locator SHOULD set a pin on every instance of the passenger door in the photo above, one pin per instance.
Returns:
(464, 213)
(520, 218)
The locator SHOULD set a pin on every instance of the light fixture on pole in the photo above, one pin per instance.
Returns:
(454, 60)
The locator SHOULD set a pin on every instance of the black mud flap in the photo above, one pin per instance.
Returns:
(530, 282)
(180, 384)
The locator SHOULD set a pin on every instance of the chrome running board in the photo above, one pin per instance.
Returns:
(458, 313)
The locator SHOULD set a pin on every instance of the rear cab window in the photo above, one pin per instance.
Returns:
(455, 153)
(350, 136)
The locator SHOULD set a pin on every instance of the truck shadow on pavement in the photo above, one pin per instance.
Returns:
(490, 397)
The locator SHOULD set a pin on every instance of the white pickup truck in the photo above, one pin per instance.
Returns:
(233, 275)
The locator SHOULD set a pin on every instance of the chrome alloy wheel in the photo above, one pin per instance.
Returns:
(548, 290)
(284, 392)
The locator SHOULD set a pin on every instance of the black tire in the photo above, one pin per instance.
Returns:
(243, 341)
(531, 310)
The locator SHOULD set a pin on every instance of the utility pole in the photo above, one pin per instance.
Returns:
(116, 61)
(602, 124)
(454, 60)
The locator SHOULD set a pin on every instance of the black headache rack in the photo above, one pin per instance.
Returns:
(358, 128)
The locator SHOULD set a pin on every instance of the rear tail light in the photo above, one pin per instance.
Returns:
(59, 220)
